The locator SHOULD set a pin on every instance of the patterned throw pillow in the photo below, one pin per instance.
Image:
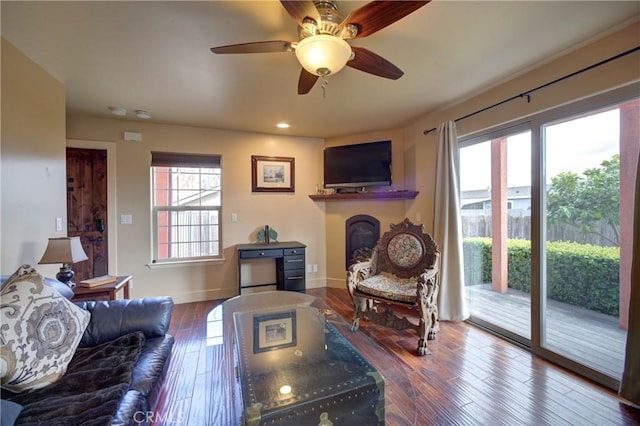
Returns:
(39, 332)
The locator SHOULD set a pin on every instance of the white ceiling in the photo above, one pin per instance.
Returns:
(155, 56)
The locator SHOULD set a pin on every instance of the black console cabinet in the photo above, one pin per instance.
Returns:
(289, 260)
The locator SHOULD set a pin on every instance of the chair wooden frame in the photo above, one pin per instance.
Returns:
(380, 308)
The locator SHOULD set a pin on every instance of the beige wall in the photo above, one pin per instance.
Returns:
(294, 215)
(614, 74)
(32, 161)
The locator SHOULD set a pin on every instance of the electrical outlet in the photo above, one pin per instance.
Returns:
(58, 224)
(315, 268)
(126, 219)
(309, 268)
(234, 217)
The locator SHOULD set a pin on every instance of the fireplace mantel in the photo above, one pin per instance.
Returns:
(388, 195)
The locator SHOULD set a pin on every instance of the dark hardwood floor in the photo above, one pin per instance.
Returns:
(471, 377)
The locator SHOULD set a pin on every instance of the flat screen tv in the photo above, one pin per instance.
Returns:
(358, 166)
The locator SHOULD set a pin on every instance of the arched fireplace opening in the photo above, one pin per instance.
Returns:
(362, 234)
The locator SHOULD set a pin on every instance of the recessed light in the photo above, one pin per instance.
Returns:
(283, 125)
(142, 114)
(118, 111)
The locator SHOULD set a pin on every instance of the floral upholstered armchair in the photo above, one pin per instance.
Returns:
(401, 275)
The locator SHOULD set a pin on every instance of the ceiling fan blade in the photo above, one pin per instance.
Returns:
(369, 62)
(300, 10)
(255, 47)
(376, 15)
(306, 82)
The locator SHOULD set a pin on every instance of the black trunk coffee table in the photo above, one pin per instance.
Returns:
(295, 366)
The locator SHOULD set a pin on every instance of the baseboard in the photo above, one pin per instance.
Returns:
(204, 295)
(336, 282)
(216, 294)
(316, 283)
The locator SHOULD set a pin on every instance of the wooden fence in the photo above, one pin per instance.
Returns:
(520, 228)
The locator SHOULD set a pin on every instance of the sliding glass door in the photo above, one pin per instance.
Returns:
(587, 213)
(547, 214)
(495, 183)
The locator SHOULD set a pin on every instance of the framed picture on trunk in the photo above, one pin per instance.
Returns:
(274, 331)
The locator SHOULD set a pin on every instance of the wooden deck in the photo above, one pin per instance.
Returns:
(471, 378)
(585, 336)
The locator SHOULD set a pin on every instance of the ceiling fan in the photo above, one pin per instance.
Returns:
(322, 49)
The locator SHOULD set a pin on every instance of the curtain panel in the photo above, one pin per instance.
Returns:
(447, 227)
(630, 385)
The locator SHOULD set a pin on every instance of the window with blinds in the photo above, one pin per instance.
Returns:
(186, 205)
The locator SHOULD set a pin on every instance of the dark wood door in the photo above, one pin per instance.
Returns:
(87, 209)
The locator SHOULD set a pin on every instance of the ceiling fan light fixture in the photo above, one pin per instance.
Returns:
(323, 54)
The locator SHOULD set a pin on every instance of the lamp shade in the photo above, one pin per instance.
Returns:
(65, 250)
(323, 54)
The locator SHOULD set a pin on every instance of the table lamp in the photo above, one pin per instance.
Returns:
(65, 250)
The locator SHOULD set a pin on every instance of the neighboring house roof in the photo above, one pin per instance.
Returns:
(481, 195)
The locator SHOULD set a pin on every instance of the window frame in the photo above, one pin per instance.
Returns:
(184, 161)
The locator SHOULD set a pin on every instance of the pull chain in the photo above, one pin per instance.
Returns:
(325, 83)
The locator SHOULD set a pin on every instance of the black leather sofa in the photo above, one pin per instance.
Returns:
(115, 319)
(152, 316)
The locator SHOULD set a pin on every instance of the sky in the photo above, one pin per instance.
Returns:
(573, 145)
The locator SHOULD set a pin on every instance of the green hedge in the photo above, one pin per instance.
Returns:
(579, 274)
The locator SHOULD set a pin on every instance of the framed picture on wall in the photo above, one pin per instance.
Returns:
(274, 331)
(272, 174)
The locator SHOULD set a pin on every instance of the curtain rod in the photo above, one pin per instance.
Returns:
(527, 94)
